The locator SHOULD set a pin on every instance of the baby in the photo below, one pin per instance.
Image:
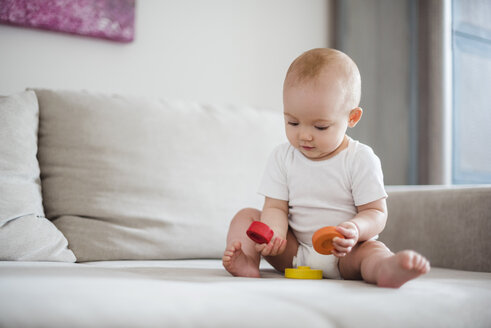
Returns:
(322, 178)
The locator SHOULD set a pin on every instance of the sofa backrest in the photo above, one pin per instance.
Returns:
(450, 225)
(128, 177)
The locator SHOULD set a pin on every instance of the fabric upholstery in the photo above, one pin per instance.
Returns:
(200, 293)
(137, 178)
(449, 225)
(33, 238)
(20, 187)
(25, 234)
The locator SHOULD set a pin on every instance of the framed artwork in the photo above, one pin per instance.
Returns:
(106, 19)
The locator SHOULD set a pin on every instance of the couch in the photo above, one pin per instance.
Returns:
(114, 211)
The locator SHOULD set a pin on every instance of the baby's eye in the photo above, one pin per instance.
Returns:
(322, 127)
(293, 123)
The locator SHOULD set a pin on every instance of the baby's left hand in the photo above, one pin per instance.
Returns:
(343, 246)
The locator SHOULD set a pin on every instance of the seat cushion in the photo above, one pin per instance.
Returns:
(197, 293)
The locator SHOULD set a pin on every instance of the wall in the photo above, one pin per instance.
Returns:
(214, 51)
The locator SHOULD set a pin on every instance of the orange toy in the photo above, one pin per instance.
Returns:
(322, 240)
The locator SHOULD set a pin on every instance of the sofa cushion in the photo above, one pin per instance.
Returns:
(137, 178)
(200, 293)
(24, 232)
(33, 238)
(19, 180)
(448, 224)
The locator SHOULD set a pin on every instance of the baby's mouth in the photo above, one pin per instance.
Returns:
(307, 147)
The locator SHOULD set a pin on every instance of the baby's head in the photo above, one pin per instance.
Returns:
(322, 64)
(321, 94)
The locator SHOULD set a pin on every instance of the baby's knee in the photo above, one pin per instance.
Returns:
(373, 245)
(249, 214)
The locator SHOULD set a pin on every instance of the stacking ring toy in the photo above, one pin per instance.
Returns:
(260, 233)
(303, 272)
(322, 240)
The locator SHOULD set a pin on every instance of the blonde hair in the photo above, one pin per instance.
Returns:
(310, 65)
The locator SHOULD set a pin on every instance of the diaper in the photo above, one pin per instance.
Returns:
(307, 256)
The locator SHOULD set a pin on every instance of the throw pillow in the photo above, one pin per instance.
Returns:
(24, 232)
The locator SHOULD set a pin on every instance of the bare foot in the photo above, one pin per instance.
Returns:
(238, 263)
(396, 270)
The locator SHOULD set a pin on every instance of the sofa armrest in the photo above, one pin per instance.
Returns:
(450, 225)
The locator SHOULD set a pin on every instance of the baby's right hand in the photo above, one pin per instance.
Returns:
(276, 246)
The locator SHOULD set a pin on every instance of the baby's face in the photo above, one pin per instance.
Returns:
(315, 117)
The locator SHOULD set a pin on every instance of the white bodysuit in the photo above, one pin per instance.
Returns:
(322, 193)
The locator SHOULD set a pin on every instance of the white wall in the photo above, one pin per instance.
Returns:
(214, 51)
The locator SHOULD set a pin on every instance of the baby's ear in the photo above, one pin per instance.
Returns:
(355, 116)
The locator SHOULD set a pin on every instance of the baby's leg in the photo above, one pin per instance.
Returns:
(373, 262)
(240, 257)
(285, 260)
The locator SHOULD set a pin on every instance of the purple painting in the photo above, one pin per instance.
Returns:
(108, 19)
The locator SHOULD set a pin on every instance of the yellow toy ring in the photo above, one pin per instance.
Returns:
(303, 272)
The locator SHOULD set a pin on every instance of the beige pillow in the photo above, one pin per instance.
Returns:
(24, 232)
(133, 178)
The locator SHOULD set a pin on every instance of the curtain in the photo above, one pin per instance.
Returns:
(434, 84)
(403, 51)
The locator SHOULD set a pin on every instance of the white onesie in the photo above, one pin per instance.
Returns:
(322, 193)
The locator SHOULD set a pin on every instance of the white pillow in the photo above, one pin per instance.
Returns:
(33, 238)
(133, 178)
(20, 187)
(24, 232)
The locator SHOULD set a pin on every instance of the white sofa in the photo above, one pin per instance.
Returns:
(114, 212)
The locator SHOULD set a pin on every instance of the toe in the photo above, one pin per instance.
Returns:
(422, 263)
(426, 266)
(407, 260)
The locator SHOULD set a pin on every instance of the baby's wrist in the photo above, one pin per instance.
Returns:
(357, 228)
(277, 231)
(279, 234)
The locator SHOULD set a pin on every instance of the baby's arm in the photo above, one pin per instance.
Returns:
(369, 222)
(275, 215)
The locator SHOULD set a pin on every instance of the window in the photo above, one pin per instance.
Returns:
(471, 64)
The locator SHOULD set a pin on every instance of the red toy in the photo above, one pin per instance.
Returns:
(260, 233)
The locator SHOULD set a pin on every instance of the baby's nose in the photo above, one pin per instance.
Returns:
(305, 135)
